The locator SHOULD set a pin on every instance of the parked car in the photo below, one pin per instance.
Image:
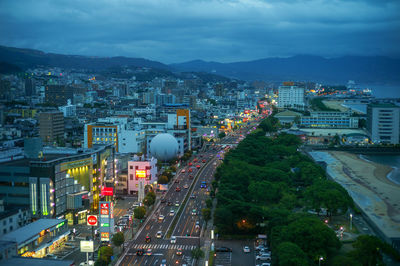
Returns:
(263, 256)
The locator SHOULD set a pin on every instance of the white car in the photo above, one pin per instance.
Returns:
(171, 213)
(264, 264)
(161, 217)
(173, 239)
(264, 256)
(246, 249)
(159, 234)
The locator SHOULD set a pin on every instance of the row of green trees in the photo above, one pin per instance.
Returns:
(267, 186)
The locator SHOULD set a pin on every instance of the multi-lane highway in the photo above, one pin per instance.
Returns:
(192, 182)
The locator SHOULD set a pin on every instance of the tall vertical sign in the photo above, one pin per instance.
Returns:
(106, 220)
(141, 175)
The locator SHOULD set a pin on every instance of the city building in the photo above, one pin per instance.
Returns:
(68, 110)
(383, 122)
(287, 116)
(58, 94)
(51, 126)
(329, 119)
(39, 238)
(290, 96)
(46, 184)
(140, 167)
(12, 217)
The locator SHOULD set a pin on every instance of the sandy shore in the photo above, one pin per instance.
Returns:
(368, 185)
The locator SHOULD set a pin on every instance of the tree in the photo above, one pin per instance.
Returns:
(367, 250)
(209, 203)
(290, 254)
(139, 212)
(197, 253)
(148, 200)
(206, 212)
(105, 254)
(163, 179)
(118, 239)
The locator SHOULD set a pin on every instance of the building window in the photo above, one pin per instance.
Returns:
(131, 177)
(131, 167)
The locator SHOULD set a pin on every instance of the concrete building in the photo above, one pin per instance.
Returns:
(287, 116)
(39, 238)
(290, 96)
(12, 217)
(329, 119)
(139, 167)
(51, 126)
(58, 94)
(68, 110)
(383, 122)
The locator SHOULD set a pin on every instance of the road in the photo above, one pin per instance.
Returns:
(187, 184)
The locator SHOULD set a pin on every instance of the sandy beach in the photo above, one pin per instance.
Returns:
(335, 104)
(368, 185)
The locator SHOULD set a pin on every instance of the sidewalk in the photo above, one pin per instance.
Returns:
(206, 236)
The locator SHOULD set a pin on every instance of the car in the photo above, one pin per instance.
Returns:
(203, 161)
(177, 203)
(171, 213)
(179, 252)
(176, 180)
(192, 196)
(169, 203)
(178, 189)
(51, 256)
(246, 249)
(163, 200)
(259, 247)
(161, 217)
(190, 176)
(263, 257)
(163, 262)
(203, 184)
(198, 166)
(197, 224)
(173, 239)
(194, 212)
(147, 239)
(190, 170)
(148, 252)
(159, 234)
(264, 264)
(186, 186)
(190, 164)
(223, 249)
(140, 252)
(183, 171)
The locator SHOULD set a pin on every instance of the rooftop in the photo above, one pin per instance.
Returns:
(31, 230)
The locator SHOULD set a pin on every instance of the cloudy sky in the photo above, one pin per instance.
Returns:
(214, 30)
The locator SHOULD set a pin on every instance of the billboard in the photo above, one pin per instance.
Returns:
(107, 191)
(87, 246)
(105, 236)
(140, 173)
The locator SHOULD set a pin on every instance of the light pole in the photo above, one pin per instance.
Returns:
(319, 260)
(351, 221)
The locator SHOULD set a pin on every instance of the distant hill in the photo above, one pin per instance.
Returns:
(305, 68)
(25, 58)
(7, 68)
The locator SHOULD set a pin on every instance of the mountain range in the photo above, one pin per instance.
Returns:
(363, 69)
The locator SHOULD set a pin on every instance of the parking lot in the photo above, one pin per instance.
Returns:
(223, 258)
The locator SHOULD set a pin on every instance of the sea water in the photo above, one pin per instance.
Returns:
(390, 160)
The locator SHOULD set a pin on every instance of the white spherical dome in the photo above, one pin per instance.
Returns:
(164, 147)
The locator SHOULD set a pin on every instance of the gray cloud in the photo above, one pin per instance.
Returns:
(180, 30)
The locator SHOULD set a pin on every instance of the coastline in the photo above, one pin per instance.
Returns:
(368, 185)
(381, 172)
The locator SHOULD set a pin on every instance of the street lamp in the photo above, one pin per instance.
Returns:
(319, 260)
(351, 221)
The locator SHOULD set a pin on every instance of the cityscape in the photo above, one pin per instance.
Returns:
(109, 156)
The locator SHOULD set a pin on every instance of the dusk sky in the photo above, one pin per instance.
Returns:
(174, 31)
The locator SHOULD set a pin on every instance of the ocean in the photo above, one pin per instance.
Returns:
(390, 160)
(383, 91)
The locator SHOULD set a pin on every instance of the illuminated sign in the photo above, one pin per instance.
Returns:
(103, 205)
(105, 236)
(107, 191)
(141, 173)
(105, 225)
(104, 211)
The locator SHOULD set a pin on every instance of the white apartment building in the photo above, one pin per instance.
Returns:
(291, 97)
(68, 110)
(383, 122)
(138, 168)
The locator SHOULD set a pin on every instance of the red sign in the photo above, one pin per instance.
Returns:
(92, 220)
(104, 206)
(104, 212)
(107, 191)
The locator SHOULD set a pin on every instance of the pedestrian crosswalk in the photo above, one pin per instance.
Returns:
(163, 246)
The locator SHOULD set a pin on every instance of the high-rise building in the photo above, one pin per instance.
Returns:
(383, 122)
(58, 94)
(290, 96)
(51, 126)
